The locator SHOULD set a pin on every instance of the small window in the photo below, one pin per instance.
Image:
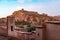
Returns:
(33, 39)
(38, 34)
(11, 28)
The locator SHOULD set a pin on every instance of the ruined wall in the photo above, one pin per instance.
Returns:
(26, 35)
(40, 32)
(3, 30)
(52, 31)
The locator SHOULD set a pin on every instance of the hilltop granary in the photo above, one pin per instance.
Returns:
(49, 30)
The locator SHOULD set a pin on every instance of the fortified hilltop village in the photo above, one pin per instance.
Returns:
(29, 25)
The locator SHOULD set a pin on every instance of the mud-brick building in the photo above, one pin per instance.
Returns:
(21, 34)
(53, 30)
(48, 31)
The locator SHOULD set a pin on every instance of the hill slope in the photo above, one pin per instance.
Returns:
(30, 16)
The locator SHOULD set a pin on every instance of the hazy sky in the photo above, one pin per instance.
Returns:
(50, 7)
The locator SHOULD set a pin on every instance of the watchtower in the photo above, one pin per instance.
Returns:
(10, 25)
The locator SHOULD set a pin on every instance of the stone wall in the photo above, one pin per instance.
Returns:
(3, 31)
(53, 31)
(48, 31)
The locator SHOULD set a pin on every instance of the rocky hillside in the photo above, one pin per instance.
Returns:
(57, 17)
(3, 20)
(30, 16)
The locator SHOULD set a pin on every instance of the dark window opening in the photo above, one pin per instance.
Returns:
(33, 39)
(11, 28)
(38, 34)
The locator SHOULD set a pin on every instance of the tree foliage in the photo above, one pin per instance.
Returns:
(30, 29)
(22, 23)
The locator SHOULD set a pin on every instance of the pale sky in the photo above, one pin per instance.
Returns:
(50, 7)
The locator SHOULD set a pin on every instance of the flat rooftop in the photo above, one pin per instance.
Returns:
(56, 22)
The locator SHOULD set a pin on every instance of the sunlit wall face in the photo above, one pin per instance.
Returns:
(50, 7)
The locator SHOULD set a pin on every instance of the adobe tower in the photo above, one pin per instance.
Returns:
(10, 25)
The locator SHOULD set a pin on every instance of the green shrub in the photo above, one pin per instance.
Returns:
(22, 23)
(30, 29)
(20, 26)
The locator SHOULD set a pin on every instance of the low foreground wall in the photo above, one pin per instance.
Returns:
(52, 31)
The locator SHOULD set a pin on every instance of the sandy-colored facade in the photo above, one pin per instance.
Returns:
(47, 31)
